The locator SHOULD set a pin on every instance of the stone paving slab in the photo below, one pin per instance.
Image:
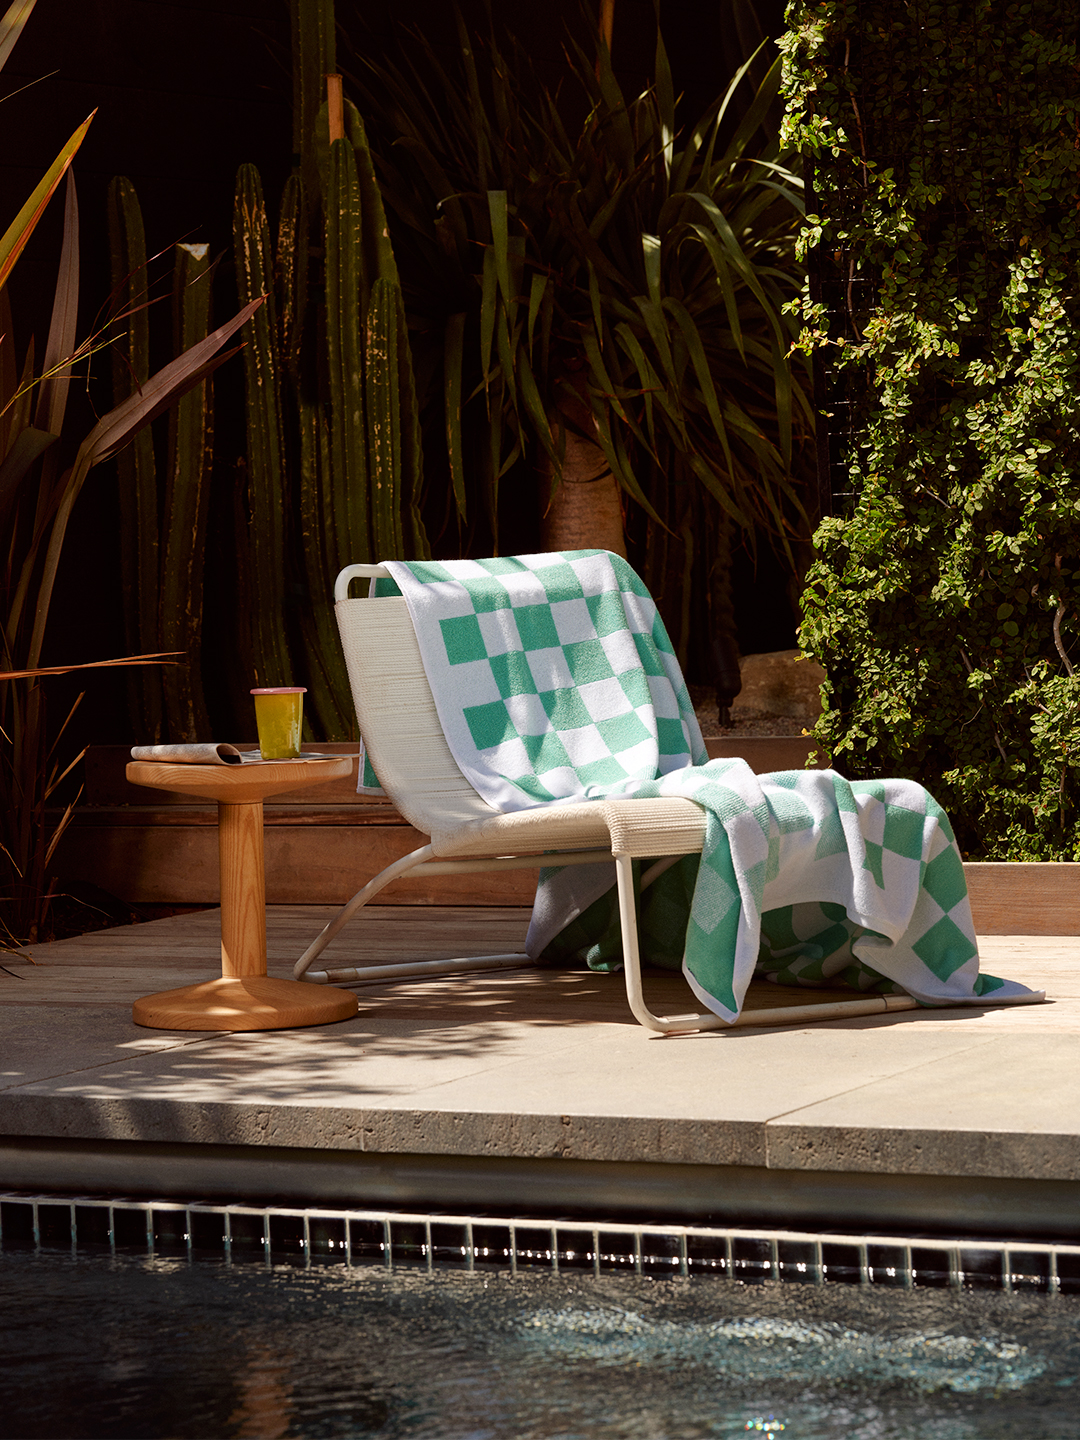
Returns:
(539, 1064)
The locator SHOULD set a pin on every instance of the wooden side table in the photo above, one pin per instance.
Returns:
(245, 997)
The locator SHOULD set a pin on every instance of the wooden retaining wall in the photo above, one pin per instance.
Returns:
(152, 848)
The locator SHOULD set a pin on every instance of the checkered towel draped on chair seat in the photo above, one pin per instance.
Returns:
(555, 680)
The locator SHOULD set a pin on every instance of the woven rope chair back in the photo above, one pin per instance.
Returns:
(398, 719)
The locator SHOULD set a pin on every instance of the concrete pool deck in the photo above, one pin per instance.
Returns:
(535, 1091)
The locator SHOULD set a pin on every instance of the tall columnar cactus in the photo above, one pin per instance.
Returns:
(266, 461)
(187, 501)
(346, 305)
(385, 334)
(164, 509)
(314, 56)
(136, 468)
(334, 452)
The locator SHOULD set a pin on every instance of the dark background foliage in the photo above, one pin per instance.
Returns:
(945, 313)
(185, 93)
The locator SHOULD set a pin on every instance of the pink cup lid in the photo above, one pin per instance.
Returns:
(282, 690)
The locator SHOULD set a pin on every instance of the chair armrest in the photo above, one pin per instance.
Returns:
(580, 826)
(664, 825)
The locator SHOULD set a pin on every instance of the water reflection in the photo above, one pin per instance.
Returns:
(768, 1348)
(264, 1407)
(134, 1349)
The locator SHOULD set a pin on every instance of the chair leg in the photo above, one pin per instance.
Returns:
(687, 1024)
(358, 901)
(351, 974)
(663, 1025)
(416, 969)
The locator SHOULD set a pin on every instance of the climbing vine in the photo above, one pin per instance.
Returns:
(944, 601)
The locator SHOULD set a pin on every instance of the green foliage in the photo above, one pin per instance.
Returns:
(944, 607)
(634, 259)
(37, 499)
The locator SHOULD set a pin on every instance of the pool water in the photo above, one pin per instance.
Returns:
(128, 1346)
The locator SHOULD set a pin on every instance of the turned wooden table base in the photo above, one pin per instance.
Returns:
(245, 997)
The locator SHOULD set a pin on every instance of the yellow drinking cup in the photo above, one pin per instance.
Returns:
(279, 715)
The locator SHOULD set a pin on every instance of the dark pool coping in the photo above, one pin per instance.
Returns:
(718, 1194)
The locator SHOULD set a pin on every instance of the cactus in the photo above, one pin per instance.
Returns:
(137, 472)
(314, 56)
(187, 500)
(384, 335)
(328, 709)
(292, 273)
(267, 480)
(346, 306)
(334, 451)
(163, 538)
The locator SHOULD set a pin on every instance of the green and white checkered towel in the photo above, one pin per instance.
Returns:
(553, 675)
(554, 679)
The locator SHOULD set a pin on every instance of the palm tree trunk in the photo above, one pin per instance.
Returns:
(585, 510)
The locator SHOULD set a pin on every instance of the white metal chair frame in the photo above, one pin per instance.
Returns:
(418, 772)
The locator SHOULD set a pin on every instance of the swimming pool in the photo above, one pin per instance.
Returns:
(122, 1346)
(107, 1337)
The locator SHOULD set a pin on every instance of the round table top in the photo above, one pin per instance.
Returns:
(239, 784)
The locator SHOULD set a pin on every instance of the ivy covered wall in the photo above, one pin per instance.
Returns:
(943, 141)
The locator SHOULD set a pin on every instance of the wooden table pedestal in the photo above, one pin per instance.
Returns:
(245, 997)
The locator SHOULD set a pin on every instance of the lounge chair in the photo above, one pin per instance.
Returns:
(408, 750)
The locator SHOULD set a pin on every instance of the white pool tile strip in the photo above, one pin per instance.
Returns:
(397, 1240)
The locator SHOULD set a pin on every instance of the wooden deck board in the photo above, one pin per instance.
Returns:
(115, 967)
